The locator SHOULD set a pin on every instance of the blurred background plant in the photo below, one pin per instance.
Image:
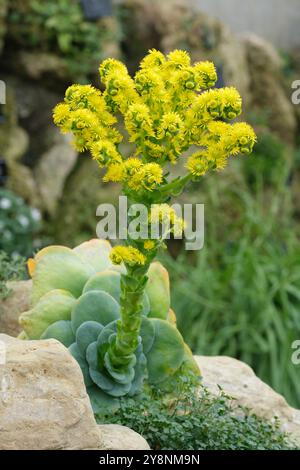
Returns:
(60, 27)
(12, 268)
(238, 296)
(19, 225)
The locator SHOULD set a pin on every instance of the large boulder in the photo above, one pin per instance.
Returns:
(52, 170)
(44, 404)
(268, 90)
(83, 192)
(174, 24)
(239, 381)
(117, 437)
(17, 301)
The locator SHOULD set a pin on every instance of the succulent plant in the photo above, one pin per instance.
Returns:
(76, 300)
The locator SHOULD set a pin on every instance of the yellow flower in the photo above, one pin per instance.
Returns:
(132, 165)
(170, 125)
(147, 81)
(109, 66)
(138, 121)
(178, 59)
(155, 150)
(105, 153)
(232, 102)
(198, 163)
(153, 175)
(80, 143)
(240, 139)
(149, 245)
(115, 173)
(153, 59)
(61, 114)
(83, 118)
(127, 255)
(206, 74)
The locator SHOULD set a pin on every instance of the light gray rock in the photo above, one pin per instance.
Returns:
(44, 404)
(37, 64)
(116, 437)
(268, 94)
(238, 380)
(43, 400)
(52, 171)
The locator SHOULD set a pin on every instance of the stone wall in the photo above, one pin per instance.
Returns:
(274, 20)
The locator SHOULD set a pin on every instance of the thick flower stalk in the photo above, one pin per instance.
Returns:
(121, 352)
(169, 106)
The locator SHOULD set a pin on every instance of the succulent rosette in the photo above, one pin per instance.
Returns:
(76, 300)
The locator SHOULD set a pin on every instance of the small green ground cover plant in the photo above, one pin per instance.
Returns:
(198, 422)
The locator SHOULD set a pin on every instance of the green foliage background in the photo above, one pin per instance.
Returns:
(240, 295)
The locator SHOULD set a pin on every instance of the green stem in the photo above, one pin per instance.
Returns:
(122, 350)
(176, 186)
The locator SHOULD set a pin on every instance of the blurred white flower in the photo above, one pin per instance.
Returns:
(5, 203)
(23, 220)
(35, 213)
(7, 235)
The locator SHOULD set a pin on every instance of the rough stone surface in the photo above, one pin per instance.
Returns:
(83, 192)
(52, 171)
(11, 308)
(116, 437)
(238, 380)
(44, 404)
(43, 401)
(174, 24)
(268, 95)
(38, 64)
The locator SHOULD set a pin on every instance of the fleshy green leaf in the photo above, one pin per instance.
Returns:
(52, 307)
(95, 306)
(95, 252)
(107, 281)
(58, 267)
(158, 291)
(167, 352)
(86, 334)
(82, 363)
(101, 402)
(60, 330)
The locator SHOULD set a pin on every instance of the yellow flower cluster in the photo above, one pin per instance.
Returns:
(167, 107)
(128, 255)
(136, 175)
(85, 114)
(221, 140)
